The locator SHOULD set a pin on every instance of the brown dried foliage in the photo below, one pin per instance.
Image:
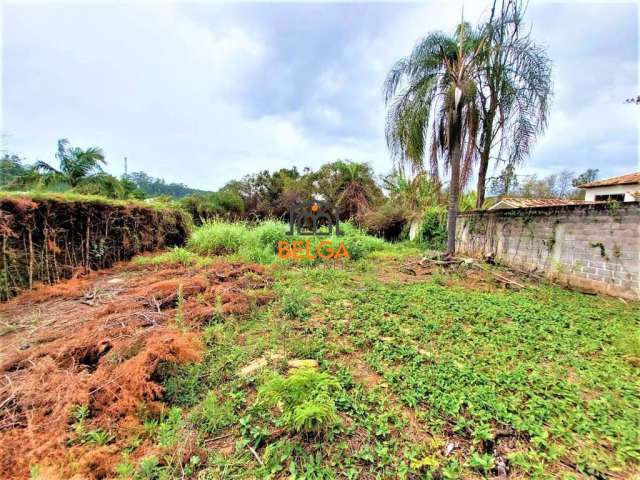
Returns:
(104, 353)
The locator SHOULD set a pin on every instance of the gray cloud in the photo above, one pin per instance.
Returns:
(204, 93)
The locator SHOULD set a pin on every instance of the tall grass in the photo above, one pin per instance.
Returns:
(259, 243)
(217, 238)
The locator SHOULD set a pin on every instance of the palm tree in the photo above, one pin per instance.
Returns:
(76, 165)
(515, 91)
(357, 189)
(434, 90)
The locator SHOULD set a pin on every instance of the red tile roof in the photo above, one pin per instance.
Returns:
(517, 202)
(627, 179)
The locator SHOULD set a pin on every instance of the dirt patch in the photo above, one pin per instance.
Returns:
(98, 342)
(411, 270)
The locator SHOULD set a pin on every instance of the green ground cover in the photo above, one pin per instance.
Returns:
(430, 377)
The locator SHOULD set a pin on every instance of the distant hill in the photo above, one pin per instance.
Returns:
(154, 187)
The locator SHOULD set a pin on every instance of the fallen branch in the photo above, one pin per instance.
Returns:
(215, 439)
(499, 277)
(255, 454)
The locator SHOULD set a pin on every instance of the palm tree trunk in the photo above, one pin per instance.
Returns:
(454, 189)
(487, 133)
(482, 172)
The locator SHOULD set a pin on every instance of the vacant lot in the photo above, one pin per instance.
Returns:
(194, 366)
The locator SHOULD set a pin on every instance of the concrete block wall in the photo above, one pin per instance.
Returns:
(594, 247)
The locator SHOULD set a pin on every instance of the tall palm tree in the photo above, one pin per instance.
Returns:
(432, 95)
(515, 90)
(76, 165)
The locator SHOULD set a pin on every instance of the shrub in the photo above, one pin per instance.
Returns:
(204, 207)
(359, 244)
(388, 221)
(306, 400)
(269, 232)
(295, 304)
(201, 207)
(433, 230)
(231, 203)
(218, 238)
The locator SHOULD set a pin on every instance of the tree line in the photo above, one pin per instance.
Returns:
(383, 205)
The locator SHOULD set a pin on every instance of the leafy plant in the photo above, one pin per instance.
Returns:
(433, 229)
(481, 462)
(295, 303)
(125, 469)
(80, 413)
(170, 428)
(149, 468)
(306, 398)
(98, 437)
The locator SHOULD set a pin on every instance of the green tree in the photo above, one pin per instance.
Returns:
(506, 182)
(76, 166)
(514, 77)
(11, 167)
(349, 185)
(587, 176)
(154, 187)
(434, 89)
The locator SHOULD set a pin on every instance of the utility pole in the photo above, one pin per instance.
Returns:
(125, 167)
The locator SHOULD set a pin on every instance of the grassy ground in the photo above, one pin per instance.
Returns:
(362, 369)
(435, 376)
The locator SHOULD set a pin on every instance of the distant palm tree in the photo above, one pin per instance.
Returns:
(75, 165)
(357, 189)
(515, 90)
(434, 90)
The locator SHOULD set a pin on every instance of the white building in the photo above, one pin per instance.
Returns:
(625, 188)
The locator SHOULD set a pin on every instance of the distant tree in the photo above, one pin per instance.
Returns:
(153, 187)
(533, 187)
(11, 167)
(563, 184)
(587, 176)
(350, 186)
(262, 192)
(76, 165)
(130, 188)
(558, 185)
(506, 182)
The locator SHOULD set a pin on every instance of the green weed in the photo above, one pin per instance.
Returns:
(306, 397)
(211, 416)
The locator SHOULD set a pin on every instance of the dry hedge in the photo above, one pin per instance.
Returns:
(46, 240)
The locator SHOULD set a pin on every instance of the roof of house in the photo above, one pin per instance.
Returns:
(627, 179)
(516, 202)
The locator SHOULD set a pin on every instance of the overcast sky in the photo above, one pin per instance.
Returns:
(203, 93)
